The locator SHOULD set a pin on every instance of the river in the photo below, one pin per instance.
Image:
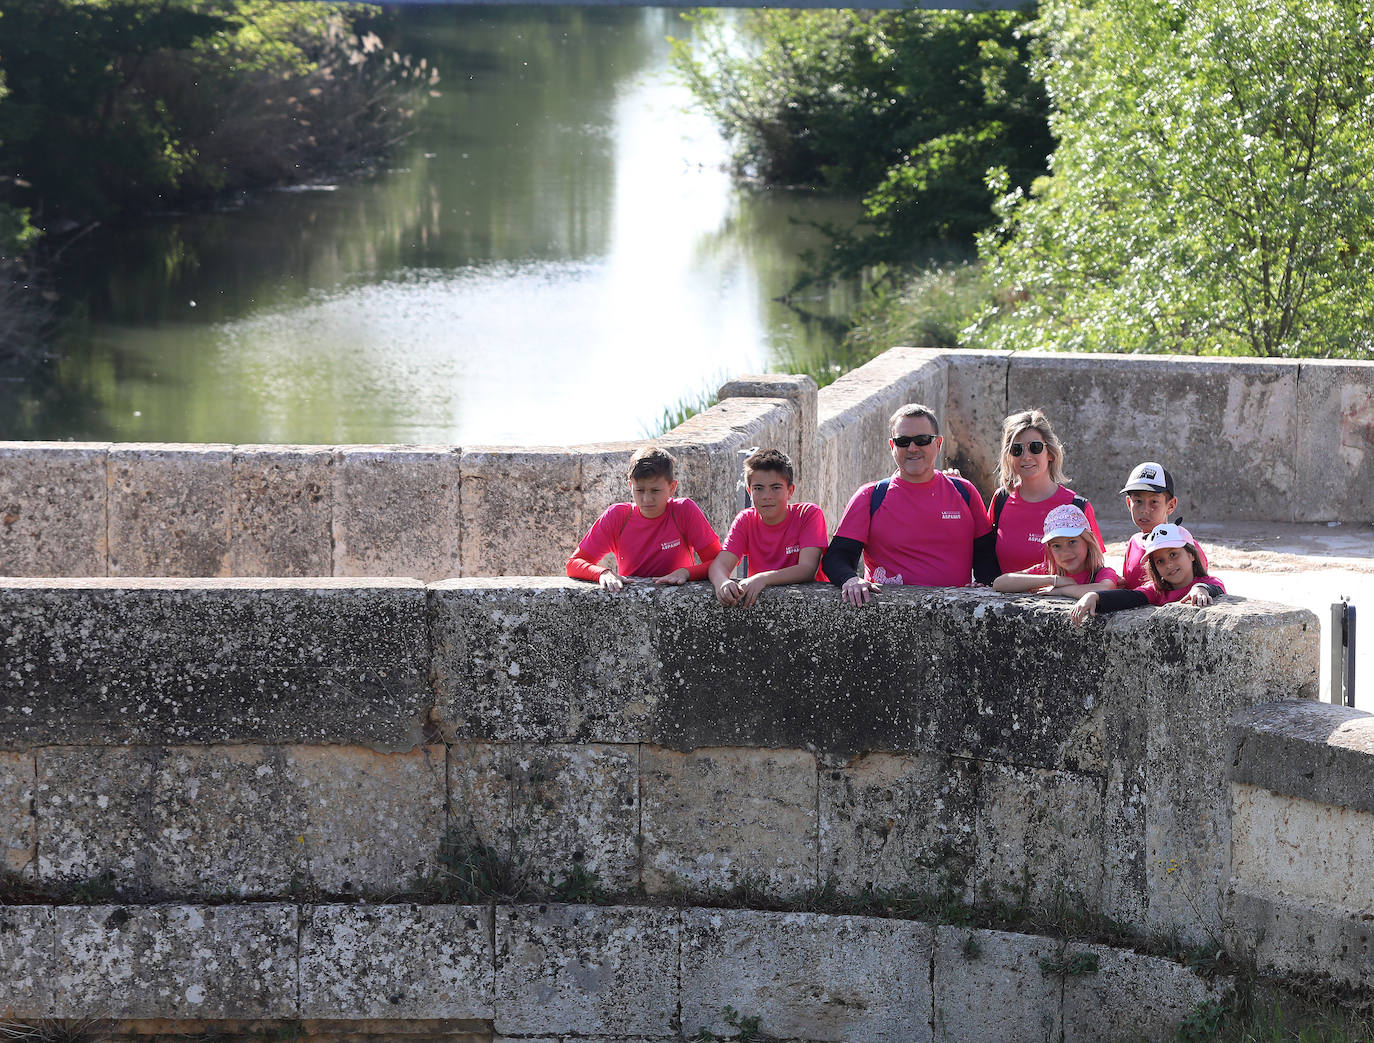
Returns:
(557, 255)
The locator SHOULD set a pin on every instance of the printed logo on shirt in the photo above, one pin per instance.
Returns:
(670, 544)
(793, 550)
(880, 576)
(951, 515)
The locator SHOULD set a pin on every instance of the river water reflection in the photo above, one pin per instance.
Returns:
(556, 256)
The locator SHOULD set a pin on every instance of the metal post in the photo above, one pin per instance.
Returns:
(1342, 691)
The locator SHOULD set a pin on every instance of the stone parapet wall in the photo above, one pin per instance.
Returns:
(1302, 849)
(555, 971)
(199, 737)
(1260, 440)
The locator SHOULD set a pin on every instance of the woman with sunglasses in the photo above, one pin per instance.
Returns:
(1030, 485)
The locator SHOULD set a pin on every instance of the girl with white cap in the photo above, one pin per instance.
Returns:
(1177, 574)
(1073, 563)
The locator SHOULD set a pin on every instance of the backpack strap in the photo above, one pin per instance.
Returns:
(999, 500)
(876, 495)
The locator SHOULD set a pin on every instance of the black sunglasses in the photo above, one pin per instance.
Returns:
(1036, 448)
(902, 441)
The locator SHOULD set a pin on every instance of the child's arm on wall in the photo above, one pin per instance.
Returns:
(580, 568)
(1077, 590)
(802, 572)
(1021, 582)
(1095, 601)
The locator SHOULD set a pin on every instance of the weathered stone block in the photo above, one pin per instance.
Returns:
(239, 820)
(807, 975)
(1306, 749)
(26, 961)
(397, 511)
(544, 660)
(583, 970)
(168, 662)
(1176, 407)
(974, 408)
(520, 510)
(169, 509)
(1300, 850)
(1305, 938)
(549, 809)
(989, 985)
(604, 467)
(710, 448)
(852, 419)
(280, 511)
(898, 823)
(720, 817)
(52, 508)
(800, 445)
(1040, 833)
(396, 961)
(1129, 996)
(168, 961)
(1335, 442)
(18, 841)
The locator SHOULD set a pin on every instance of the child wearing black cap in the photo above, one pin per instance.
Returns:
(1150, 498)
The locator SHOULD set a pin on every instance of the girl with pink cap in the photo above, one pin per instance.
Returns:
(1073, 563)
(1176, 571)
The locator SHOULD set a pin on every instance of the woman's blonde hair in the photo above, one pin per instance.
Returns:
(1013, 426)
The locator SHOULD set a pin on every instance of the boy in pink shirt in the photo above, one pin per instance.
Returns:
(782, 541)
(1149, 493)
(653, 537)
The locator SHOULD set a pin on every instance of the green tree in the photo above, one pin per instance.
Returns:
(906, 109)
(1211, 188)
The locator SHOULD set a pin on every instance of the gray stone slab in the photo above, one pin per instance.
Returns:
(852, 418)
(1040, 835)
(975, 406)
(52, 508)
(1335, 442)
(397, 511)
(1130, 996)
(18, 840)
(891, 822)
(1308, 749)
(168, 662)
(171, 961)
(520, 510)
(239, 820)
(604, 480)
(551, 809)
(396, 961)
(281, 510)
(1303, 938)
(542, 660)
(26, 961)
(169, 509)
(1199, 417)
(1202, 675)
(1300, 850)
(710, 448)
(807, 975)
(719, 818)
(800, 390)
(989, 985)
(586, 970)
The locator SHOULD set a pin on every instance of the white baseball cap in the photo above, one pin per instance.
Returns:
(1064, 520)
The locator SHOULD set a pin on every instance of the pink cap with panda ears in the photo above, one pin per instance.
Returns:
(1162, 536)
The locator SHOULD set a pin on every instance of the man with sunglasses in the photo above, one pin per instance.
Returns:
(919, 527)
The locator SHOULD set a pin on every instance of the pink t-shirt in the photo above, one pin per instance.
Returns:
(1105, 573)
(770, 547)
(644, 546)
(1022, 525)
(1133, 568)
(922, 535)
(1168, 597)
